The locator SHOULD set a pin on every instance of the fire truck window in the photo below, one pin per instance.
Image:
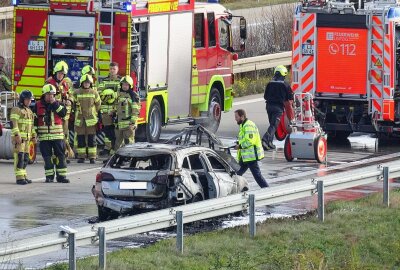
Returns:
(199, 30)
(223, 34)
(211, 29)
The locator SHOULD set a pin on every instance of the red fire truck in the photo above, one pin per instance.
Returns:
(180, 52)
(347, 55)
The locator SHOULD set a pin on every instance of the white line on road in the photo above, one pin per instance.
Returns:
(69, 174)
(248, 101)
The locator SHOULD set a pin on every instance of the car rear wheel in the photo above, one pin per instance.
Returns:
(106, 214)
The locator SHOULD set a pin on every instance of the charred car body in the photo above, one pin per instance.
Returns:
(145, 176)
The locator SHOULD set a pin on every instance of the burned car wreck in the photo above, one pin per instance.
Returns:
(144, 176)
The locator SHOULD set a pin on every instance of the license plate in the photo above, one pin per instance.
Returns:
(36, 45)
(133, 185)
(307, 49)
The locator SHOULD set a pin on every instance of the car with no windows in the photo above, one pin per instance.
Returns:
(145, 176)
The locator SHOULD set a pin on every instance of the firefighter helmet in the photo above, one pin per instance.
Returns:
(86, 78)
(49, 89)
(25, 94)
(61, 66)
(88, 70)
(282, 70)
(127, 79)
(108, 96)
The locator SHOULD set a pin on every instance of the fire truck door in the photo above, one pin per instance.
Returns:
(224, 56)
(180, 64)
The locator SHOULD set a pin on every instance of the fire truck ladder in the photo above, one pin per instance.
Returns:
(104, 49)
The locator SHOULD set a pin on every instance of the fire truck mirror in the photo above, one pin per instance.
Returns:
(243, 28)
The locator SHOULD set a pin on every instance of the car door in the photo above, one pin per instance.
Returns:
(222, 173)
(210, 184)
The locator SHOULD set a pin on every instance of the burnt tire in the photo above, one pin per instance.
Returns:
(320, 148)
(153, 127)
(105, 214)
(287, 150)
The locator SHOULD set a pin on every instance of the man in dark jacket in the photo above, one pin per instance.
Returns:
(277, 92)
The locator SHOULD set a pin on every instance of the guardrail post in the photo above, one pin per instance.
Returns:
(321, 206)
(386, 186)
(179, 231)
(102, 248)
(72, 255)
(252, 215)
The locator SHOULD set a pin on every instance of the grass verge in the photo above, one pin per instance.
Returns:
(360, 234)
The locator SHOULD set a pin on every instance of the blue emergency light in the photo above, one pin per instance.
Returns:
(15, 2)
(394, 12)
(213, 1)
(127, 6)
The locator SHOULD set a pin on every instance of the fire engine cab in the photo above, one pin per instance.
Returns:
(346, 54)
(180, 53)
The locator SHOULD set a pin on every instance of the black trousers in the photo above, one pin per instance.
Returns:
(274, 117)
(255, 171)
(56, 148)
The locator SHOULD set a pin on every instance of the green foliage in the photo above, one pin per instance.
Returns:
(249, 86)
(355, 235)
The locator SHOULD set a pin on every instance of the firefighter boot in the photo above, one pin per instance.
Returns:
(62, 179)
(92, 161)
(81, 160)
(22, 182)
(49, 180)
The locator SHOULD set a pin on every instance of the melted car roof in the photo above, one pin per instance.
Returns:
(149, 149)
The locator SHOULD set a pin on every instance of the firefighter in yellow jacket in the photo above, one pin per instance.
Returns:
(128, 108)
(23, 133)
(108, 98)
(87, 102)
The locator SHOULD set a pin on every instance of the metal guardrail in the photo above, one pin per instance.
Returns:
(197, 211)
(262, 62)
(6, 13)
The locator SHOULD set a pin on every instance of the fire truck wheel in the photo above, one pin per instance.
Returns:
(153, 128)
(320, 148)
(32, 153)
(214, 111)
(287, 149)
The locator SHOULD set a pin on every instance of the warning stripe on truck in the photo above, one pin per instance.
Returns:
(33, 74)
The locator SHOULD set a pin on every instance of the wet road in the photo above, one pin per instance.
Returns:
(41, 208)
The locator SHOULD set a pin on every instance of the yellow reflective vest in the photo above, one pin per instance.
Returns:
(249, 142)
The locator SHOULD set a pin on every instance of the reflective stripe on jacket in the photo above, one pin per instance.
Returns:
(22, 122)
(249, 142)
(87, 102)
(128, 109)
(49, 122)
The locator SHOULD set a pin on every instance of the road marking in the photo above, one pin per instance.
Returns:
(248, 101)
(69, 174)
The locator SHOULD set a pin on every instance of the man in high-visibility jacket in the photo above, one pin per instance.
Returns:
(87, 103)
(23, 133)
(5, 82)
(49, 124)
(128, 108)
(249, 147)
(107, 109)
(63, 96)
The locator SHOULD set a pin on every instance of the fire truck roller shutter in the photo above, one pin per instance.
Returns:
(180, 64)
(78, 25)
